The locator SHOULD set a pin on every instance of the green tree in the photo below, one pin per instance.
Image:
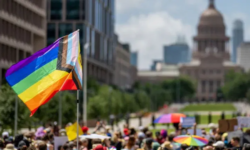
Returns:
(236, 85)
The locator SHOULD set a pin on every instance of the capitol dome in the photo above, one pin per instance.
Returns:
(211, 16)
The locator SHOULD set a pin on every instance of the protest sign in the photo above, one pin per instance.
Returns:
(198, 132)
(243, 122)
(187, 122)
(227, 125)
(59, 140)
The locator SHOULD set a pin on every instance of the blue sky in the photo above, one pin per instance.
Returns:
(148, 25)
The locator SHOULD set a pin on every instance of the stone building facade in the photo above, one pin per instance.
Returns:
(122, 66)
(22, 31)
(211, 58)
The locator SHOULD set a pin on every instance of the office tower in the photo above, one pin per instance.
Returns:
(95, 19)
(22, 31)
(243, 55)
(134, 58)
(238, 38)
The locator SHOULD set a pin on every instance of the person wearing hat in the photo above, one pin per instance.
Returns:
(166, 146)
(9, 147)
(219, 145)
(100, 147)
(21, 145)
(85, 130)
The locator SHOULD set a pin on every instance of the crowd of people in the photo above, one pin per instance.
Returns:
(127, 138)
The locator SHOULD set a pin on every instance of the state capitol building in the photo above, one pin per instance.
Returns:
(210, 57)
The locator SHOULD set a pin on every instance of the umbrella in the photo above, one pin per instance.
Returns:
(95, 136)
(191, 140)
(169, 118)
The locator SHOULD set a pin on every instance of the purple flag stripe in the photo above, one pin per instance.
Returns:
(26, 61)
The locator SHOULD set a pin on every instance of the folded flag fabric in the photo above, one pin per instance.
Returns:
(72, 131)
(39, 77)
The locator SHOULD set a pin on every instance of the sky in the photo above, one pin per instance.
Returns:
(148, 25)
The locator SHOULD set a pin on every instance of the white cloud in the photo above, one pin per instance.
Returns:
(123, 6)
(147, 33)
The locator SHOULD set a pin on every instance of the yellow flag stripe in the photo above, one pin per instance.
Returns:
(42, 85)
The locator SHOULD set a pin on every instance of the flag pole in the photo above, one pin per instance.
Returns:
(16, 109)
(60, 110)
(77, 118)
(86, 46)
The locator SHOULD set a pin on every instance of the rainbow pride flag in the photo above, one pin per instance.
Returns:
(39, 77)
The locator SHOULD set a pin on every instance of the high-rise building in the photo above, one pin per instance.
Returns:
(238, 38)
(95, 19)
(176, 53)
(243, 55)
(122, 65)
(134, 58)
(22, 31)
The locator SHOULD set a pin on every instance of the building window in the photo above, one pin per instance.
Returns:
(83, 10)
(20, 55)
(203, 86)
(65, 29)
(73, 9)
(51, 33)
(93, 43)
(28, 54)
(56, 9)
(211, 86)
(218, 84)
(105, 47)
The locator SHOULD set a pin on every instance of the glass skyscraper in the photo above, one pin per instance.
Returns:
(133, 58)
(95, 19)
(238, 38)
(176, 53)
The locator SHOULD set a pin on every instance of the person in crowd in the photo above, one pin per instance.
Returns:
(166, 146)
(84, 144)
(149, 134)
(131, 144)
(22, 145)
(184, 146)
(85, 130)
(1, 144)
(147, 144)
(41, 145)
(236, 143)
(173, 144)
(9, 147)
(219, 145)
(126, 132)
(107, 128)
(246, 146)
(106, 143)
(139, 142)
(155, 146)
(117, 141)
(159, 138)
(164, 134)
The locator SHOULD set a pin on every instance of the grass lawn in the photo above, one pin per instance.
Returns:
(209, 107)
(215, 118)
